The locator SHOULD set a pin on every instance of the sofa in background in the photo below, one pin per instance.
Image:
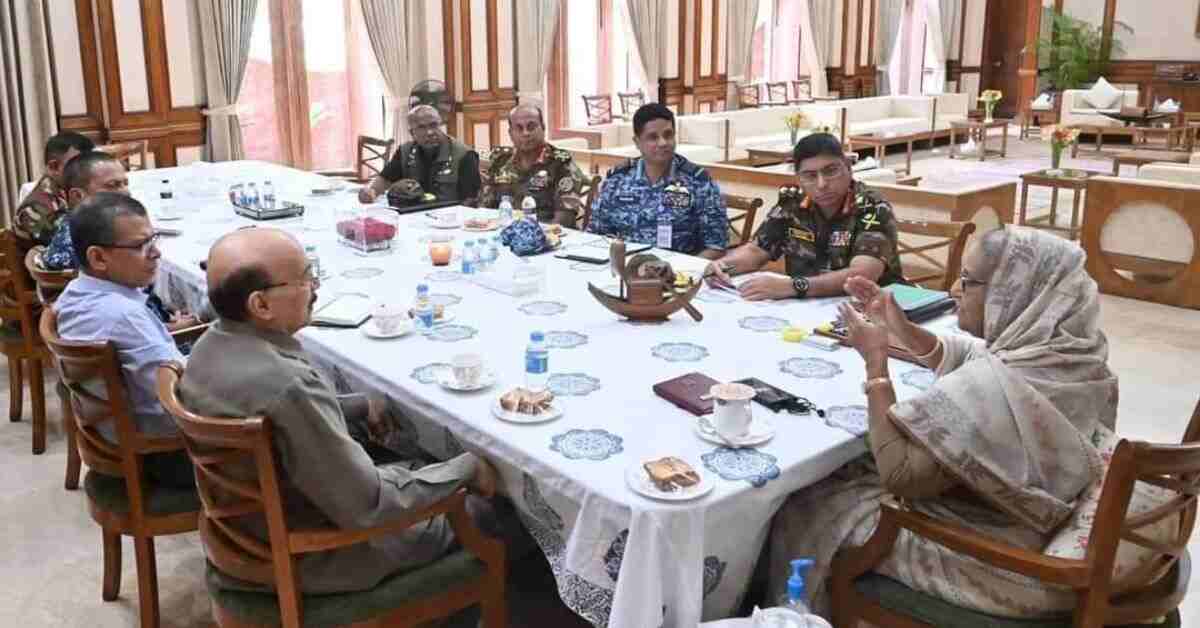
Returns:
(1075, 110)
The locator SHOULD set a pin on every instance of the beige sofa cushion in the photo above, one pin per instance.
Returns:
(1102, 95)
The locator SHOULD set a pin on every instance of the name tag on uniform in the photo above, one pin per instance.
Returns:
(626, 198)
(663, 241)
(803, 235)
(839, 238)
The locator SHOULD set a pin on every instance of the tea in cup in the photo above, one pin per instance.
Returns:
(731, 409)
(467, 369)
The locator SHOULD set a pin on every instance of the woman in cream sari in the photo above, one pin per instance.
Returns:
(1010, 439)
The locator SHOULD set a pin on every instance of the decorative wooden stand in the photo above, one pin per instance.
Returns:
(645, 299)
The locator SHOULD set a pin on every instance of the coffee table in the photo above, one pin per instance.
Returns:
(1075, 180)
(978, 129)
(1143, 157)
(880, 143)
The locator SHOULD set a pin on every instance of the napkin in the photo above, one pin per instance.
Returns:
(525, 237)
(1169, 105)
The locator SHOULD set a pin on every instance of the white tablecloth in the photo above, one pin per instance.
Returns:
(687, 560)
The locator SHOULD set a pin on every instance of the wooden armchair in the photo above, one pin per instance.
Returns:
(236, 474)
(742, 211)
(951, 235)
(802, 91)
(748, 97)
(373, 156)
(598, 109)
(121, 499)
(630, 102)
(19, 340)
(125, 152)
(777, 93)
(589, 203)
(860, 595)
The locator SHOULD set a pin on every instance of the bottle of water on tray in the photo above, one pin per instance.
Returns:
(268, 195)
(470, 258)
(537, 363)
(252, 198)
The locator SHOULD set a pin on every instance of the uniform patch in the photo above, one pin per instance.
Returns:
(870, 220)
(804, 235)
(677, 196)
(839, 238)
(539, 181)
(626, 198)
(566, 184)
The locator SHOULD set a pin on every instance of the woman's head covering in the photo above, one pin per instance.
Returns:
(1016, 425)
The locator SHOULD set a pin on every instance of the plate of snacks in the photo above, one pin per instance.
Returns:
(668, 478)
(522, 406)
(481, 224)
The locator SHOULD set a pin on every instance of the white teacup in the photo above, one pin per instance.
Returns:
(388, 318)
(731, 409)
(467, 368)
(446, 217)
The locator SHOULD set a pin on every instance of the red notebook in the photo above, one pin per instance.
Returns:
(686, 391)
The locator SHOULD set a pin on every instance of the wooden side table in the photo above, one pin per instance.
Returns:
(1143, 157)
(1075, 180)
(880, 143)
(978, 129)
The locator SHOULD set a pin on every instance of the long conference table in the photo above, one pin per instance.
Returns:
(619, 559)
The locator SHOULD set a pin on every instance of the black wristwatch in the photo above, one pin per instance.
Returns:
(800, 285)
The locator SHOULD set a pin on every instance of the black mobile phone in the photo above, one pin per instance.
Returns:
(583, 258)
(777, 399)
(641, 250)
(169, 232)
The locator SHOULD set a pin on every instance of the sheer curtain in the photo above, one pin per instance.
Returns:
(397, 34)
(27, 115)
(743, 15)
(648, 22)
(537, 22)
(816, 33)
(225, 29)
(942, 17)
(891, 17)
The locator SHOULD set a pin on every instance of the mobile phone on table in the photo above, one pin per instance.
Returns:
(171, 233)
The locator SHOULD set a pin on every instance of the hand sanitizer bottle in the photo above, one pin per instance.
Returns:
(793, 611)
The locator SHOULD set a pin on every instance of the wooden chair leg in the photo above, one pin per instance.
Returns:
(147, 575)
(495, 603)
(842, 606)
(37, 395)
(71, 482)
(16, 388)
(112, 565)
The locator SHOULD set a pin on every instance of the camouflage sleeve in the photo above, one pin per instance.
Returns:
(714, 220)
(487, 188)
(37, 218)
(772, 235)
(877, 235)
(604, 204)
(568, 197)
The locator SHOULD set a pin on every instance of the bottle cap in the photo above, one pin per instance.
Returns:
(422, 287)
(795, 583)
(537, 336)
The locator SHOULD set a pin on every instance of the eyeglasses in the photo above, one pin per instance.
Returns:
(832, 171)
(967, 281)
(309, 277)
(142, 247)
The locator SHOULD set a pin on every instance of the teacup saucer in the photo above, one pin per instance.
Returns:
(761, 430)
(446, 379)
(369, 330)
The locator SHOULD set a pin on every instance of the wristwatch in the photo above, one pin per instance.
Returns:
(800, 285)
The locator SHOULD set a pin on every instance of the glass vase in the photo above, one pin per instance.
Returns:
(794, 134)
(1056, 152)
(989, 112)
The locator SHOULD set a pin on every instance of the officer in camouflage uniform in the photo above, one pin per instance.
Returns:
(37, 216)
(441, 165)
(827, 229)
(532, 167)
(662, 198)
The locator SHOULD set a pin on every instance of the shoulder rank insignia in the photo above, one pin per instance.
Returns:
(562, 155)
(869, 219)
(566, 185)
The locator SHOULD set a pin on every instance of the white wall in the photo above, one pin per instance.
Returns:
(1166, 32)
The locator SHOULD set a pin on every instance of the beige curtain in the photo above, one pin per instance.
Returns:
(397, 32)
(225, 29)
(743, 14)
(816, 34)
(648, 23)
(941, 17)
(537, 22)
(27, 114)
(891, 17)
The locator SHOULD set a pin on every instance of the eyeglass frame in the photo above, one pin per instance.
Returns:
(812, 177)
(310, 277)
(144, 246)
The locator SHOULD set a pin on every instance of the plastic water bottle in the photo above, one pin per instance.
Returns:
(314, 260)
(423, 309)
(252, 198)
(494, 246)
(506, 210)
(485, 259)
(268, 195)
(470, 258)
(529, 207)
(166, 198)
(793, 611)
(537, 363)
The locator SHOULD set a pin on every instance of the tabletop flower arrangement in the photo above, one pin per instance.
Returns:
(989, 98)
(795, 122)
(1060, 138)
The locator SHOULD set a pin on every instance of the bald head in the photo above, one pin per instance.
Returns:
(424, 111)
(425, 125)
(526, 109)
(250, 260)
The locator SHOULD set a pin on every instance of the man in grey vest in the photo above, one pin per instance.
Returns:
(439, 164)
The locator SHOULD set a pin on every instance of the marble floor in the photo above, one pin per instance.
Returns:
(50, 562)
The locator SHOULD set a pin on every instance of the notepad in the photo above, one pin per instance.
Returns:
(913, 297)
(347, 309)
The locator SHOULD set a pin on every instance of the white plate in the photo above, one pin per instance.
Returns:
(369, 331)
(446, 379)
(516, 417)
(761, 430)
(639, 482)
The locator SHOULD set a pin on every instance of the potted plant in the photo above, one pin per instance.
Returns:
(1075, 51)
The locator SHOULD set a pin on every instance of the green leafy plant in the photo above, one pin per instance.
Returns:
(1075, 51)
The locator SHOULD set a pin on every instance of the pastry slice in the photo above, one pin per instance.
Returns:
(671, 473)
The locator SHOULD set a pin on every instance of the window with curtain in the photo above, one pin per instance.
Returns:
(776, 52)
(345, 90)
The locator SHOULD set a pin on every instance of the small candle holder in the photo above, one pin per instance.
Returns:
(440, 252)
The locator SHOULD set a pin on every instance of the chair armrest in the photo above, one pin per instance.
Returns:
(305, 541)
(1060, 571)
(189, 334)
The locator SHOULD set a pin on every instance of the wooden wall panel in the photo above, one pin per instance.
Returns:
(91, 120)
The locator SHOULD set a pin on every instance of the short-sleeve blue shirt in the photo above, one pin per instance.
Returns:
(629, 207)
